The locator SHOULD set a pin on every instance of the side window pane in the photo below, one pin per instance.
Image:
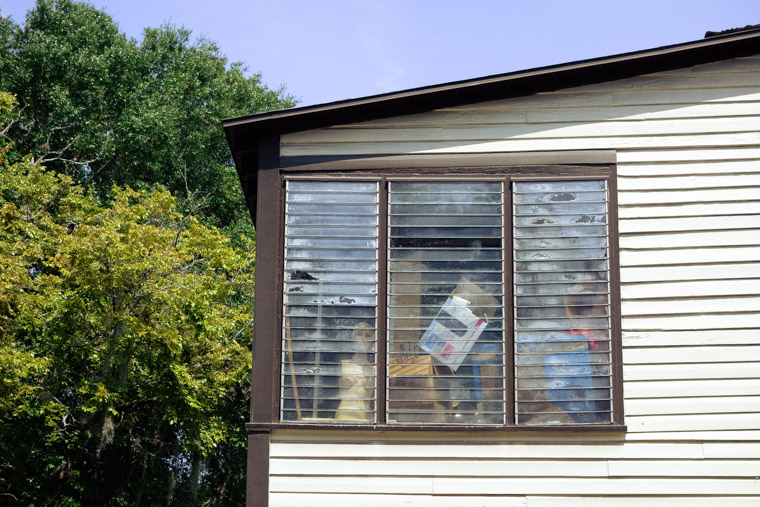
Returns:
(445, 320)
(330, 302)
(562, 310)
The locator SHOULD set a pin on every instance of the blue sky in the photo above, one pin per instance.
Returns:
(327, 50)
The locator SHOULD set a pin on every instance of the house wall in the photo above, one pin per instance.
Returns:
(688, 147)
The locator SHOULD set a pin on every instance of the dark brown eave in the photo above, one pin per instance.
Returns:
(243, 132)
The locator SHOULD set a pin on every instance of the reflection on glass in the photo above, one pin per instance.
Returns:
(445, 321)
(330, 302)
(562, 321)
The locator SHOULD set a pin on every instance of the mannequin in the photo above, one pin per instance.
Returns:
(357, 379)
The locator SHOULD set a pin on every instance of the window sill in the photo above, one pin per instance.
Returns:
(608, 428)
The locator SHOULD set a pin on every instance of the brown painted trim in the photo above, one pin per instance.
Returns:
(248, 178)
(609, 428)
(257, 476)
(450, 160)
(615, 307)
(508, 306)
(272, 208)
(268, 293)
(381, 359)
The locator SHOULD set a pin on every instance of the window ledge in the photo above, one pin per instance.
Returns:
(609, 428)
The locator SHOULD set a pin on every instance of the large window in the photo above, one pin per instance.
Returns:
(435, 301)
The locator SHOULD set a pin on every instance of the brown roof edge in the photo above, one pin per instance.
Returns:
(512, 84)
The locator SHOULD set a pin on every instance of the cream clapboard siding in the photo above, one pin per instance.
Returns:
(688, 145)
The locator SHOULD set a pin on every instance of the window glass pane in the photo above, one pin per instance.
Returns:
(330, 302)
(445, 320)
(562, 316)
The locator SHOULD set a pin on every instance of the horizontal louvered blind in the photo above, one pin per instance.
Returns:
(561, 287)
(330, 301)
(445, 320)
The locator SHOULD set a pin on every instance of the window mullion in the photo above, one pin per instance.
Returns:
(509, 336)
(381, 359)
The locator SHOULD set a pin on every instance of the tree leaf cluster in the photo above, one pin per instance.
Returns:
(124, 347)
(126, 264)
(110, 110)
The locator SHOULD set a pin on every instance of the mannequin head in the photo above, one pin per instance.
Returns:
(585, 302)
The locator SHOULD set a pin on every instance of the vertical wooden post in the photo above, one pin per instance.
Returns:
(267, 324)
(265, 369)
(257, 479)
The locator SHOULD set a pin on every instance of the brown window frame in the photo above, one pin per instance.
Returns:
(274, 170)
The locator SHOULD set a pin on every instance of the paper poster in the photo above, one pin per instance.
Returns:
(452, 333)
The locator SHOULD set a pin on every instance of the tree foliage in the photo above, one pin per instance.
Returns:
(109, 110)
(124, 338)
(126, 264)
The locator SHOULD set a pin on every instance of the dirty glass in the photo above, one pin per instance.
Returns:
(445, 297)
(562, 303)
(330, 302)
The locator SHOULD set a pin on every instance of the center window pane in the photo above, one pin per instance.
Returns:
(445, 319)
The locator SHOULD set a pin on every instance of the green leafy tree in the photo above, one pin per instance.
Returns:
(124, 339)
(124, 311)
(109, 110)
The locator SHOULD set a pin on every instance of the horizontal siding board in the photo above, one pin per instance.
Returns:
(694, 322)
(743, 237)
(694, 153)
(700, 436)
(566, 129)
(537, 112)
(602, 468)
(386, 500)
(586, 486)
(311, 484)
(693, 422)
(744, 370)
(704, 405)
(690, 306)
(665, 355)
(648, 500)
(689, 196)
(735, 94)
(688, 168)
(566, 99)
(735, 450)
(693, 210)
(411, 467)
(641, 112)
(672, 81)
(487, 145)
(690, 338)
(689, 256)
(691, 388)
(742, 64)
(516, 486)
(493, 450)
(691, 289)
(688, 182)
(692, 272)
